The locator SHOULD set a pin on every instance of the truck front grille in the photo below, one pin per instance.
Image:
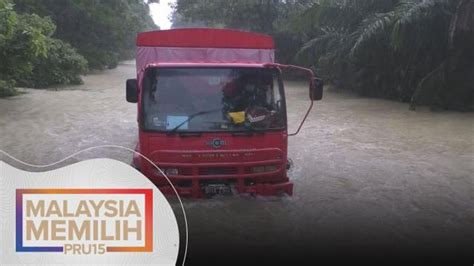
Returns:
(185, 171)
(218, 170)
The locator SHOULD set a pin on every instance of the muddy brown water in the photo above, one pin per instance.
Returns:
(367, 172)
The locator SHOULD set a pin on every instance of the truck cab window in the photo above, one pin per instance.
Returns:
(212, 99)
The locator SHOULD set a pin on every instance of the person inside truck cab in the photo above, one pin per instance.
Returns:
(259, 111)
(261, 92)
(233, 99)
(246, 99)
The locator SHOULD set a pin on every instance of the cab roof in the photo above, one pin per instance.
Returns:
(205, 38)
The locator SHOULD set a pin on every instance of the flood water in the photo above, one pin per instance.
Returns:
(367, 172)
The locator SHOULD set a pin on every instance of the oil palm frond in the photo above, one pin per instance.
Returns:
(372, 26)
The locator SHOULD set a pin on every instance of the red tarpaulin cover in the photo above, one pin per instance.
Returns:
(205, 38)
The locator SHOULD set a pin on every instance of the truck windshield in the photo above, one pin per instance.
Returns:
(212, 99)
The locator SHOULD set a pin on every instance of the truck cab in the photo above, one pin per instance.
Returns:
(212, 112)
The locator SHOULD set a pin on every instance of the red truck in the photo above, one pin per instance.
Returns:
(212, 112)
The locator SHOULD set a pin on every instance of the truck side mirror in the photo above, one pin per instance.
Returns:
(132, 92)
(316, 89)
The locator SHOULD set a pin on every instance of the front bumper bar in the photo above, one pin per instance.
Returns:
(261, 189)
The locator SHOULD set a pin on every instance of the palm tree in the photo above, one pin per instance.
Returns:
(400, 49)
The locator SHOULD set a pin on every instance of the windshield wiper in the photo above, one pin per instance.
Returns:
(191, 117)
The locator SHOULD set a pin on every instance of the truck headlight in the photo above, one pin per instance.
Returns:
(263, 169)
(270, 168)
(257, 169)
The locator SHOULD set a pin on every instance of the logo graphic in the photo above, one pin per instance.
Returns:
(84, 221)
(216, 143)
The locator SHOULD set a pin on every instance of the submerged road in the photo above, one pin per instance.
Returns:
(369, 174)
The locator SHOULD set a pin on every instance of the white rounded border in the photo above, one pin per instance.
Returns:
(127, 149)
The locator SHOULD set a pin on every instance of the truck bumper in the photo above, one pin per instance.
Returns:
(263, 189)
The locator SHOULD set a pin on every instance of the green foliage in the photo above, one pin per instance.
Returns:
(7, 88)
(244, 14)
(30, 56)
(102, 31)
(48, 42)
(392, 53)
(24, 39)
(61, 66)
(7, 19)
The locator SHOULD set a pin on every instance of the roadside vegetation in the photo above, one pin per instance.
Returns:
(414, 51)
(48, 42)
